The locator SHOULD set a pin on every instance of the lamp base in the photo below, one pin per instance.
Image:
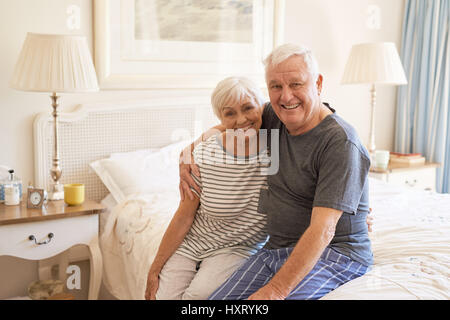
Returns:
(372, 157)
(57, 193)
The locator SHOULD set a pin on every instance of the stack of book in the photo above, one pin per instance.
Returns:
(406, 158)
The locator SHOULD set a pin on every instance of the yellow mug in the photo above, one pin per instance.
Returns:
(74, 194)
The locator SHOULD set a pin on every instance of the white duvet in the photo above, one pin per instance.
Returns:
(411, 247)
(130, 240)
(410, 242)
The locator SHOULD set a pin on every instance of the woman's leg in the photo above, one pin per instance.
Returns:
(212, 273)
(175, 277)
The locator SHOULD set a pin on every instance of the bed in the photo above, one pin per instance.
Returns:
(111, 147)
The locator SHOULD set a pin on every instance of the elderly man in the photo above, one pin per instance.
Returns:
(317, 202)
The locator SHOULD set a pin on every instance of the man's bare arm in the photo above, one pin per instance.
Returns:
(304, 257)
(187, 164)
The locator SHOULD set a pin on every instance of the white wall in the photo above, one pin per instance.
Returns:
(328, 27)
(18, 108)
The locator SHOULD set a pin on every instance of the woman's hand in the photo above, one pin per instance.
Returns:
(152, 285)
(187, 166)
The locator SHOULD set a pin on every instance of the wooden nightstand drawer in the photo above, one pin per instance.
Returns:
(14, 238)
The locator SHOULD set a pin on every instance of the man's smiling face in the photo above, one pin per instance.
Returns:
(294, 94)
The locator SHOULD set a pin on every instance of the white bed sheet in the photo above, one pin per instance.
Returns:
(411, 246)
(109, 203)
(410, 242)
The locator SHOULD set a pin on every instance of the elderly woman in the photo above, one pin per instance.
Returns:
(211, 235)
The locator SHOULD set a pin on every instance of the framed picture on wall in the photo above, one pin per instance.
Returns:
(150, 44)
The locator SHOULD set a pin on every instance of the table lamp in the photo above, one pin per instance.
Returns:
(57, 64)
(374, 63)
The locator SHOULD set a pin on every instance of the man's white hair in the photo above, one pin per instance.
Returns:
(285, 51)
(233, 90)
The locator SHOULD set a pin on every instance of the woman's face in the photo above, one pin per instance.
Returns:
(245, 115)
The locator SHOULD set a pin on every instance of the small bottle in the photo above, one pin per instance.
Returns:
(2, 190)
(13, 190)
(12, 195)
(4, 179)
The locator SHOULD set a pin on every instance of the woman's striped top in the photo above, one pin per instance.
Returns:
(227, 219)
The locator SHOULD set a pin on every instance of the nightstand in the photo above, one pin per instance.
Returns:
(421, 176)
(55, 228)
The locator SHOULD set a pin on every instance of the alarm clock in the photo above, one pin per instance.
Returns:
(35, 198)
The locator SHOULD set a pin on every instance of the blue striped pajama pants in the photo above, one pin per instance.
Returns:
(332, 270)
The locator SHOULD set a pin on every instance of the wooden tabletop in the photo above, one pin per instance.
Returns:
(404, 167)
(51, 210)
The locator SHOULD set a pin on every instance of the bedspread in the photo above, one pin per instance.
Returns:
(130, 240)
(411, 247)
(410, 242)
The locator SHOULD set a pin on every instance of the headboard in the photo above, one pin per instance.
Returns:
(94, 131)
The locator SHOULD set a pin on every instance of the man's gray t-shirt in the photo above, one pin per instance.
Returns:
(324, 167)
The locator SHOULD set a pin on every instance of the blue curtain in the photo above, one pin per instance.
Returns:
(423, 113)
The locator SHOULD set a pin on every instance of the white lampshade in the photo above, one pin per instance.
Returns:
(374, 63)
(54, 63)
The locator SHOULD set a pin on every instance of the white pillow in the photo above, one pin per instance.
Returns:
(142, 171)
(109, 202)
(133, 154)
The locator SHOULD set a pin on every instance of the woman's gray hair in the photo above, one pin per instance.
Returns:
(285, 51)
(233, 90)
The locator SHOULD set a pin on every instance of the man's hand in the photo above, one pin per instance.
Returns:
(152, 285)
(268, 292)
(369, 220)
(187, 166)
(303, 257)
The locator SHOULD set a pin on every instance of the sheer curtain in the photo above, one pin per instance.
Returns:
(423, 113)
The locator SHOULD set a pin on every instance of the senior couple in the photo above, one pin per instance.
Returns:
(239, 233)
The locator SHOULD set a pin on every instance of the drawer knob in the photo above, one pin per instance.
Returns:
(50, 236)
(411, 184)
